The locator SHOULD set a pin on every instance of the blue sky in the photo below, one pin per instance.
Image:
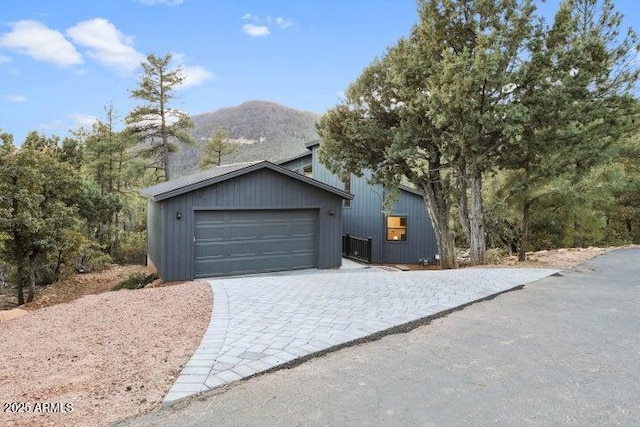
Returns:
(62, 61)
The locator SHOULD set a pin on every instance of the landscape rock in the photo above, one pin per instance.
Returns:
(14, 313)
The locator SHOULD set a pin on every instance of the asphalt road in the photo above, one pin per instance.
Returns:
(562, 351)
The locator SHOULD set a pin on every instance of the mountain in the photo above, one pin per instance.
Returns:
(263, 131)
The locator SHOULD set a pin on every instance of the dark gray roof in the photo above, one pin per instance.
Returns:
(411, 190)
(296, 157)
(198, 180)
(312, 144)
(406, 186)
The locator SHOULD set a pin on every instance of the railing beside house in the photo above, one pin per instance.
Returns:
(356, 248)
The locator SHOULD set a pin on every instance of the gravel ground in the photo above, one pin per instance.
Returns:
(553, 258)
(105, 357)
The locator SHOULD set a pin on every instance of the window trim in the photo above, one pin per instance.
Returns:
(405, 228)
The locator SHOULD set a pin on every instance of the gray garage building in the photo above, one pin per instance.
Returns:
(243, 218)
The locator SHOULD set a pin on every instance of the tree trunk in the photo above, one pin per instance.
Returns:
(32, 284)
(19, 283)
(56, 271)
(163, 130)
(464, 207)
(165, 157)
(526, 208)
(116, 241)
(477, 242)
(438, 210)
(445, 238)
(579, 239)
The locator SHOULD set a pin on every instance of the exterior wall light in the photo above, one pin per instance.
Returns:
(178, 214)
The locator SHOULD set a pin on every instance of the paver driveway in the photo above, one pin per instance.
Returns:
(262, 322)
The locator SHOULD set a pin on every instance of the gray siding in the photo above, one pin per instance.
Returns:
(262, 189)
(365, 218)
(297, 165)
(421, 242)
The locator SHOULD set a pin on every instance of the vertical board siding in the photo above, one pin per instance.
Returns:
(264, 189)
(365, 218)
(297, 165)
(421, 242)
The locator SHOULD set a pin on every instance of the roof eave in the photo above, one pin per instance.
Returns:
(309, 181)
(239, 172)
(411, 190)
(312, 144)
(296, 157)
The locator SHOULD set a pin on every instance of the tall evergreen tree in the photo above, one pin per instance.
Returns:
(217, 147)
(435, 104)
(573, 102)
(155, 124)
(108, 157)
(375, 128)
(38, 193)
(469, 51)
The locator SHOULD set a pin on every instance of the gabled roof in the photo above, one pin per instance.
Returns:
(185, 184)
(302, 155)
(312, 144)
(406, 186)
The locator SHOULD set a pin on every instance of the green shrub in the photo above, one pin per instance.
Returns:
(132, 248)
(79, 254)
(136, 281)
(495, 255)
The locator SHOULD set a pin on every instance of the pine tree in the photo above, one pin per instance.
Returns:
(108, 157)
(572, 105)
(155, 124)
(216, 148)
(431, 110)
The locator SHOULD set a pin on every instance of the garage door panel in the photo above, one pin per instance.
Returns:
(240, 242)
(245, 264)
(264, 247)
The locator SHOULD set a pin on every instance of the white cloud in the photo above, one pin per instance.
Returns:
(106, 44)
(195, 75)
(260, 26)
(283, 22)
(5, 59)
(62, 124)
(54, 125)
(256, 30)
(16, 98)
(34, 39)
(167, 2)
(85, 121)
